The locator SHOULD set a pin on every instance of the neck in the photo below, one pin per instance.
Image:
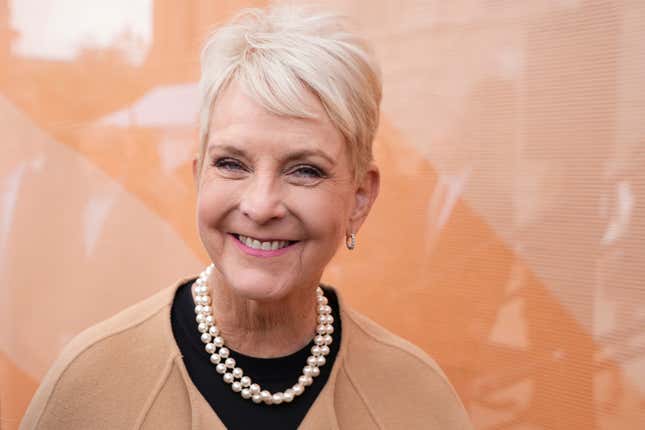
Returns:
(264, 329)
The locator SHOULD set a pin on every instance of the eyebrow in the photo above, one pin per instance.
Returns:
(228, 148)
(298, 154)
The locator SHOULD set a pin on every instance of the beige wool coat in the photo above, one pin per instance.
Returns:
(127, 373)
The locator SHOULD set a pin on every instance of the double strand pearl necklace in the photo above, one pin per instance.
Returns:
(226, 366)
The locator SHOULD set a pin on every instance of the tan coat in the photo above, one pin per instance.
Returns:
(127, 373)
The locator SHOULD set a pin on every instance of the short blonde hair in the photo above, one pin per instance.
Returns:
(278, 53)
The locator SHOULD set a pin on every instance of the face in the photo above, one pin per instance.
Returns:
(276, 197)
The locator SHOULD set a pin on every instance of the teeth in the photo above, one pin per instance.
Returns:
(264, 246)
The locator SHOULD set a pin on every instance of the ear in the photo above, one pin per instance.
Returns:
(366, 192)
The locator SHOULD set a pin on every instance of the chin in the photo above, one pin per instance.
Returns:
(258, 287)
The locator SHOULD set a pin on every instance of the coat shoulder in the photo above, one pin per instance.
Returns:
(86, 385)
(398, 383)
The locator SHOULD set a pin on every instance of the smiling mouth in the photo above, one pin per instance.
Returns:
(269, 245)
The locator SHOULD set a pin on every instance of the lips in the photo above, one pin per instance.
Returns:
(263, 245)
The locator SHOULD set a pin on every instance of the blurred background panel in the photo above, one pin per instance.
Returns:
(508, 240)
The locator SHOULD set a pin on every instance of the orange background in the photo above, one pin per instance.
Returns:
(508, 240)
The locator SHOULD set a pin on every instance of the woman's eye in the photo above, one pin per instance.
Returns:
(307, 171)
(228, 164)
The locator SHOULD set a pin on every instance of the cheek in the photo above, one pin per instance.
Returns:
(324, 214)
(206, 210)
(213, 202)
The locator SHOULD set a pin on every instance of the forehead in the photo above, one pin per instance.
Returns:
(239, 118)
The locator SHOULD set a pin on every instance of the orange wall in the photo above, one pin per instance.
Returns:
(508, 240)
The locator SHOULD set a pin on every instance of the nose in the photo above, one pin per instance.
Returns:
(262, 201)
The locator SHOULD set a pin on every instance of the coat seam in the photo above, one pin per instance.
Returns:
(361, 396)
(194, 413)
(147, 406)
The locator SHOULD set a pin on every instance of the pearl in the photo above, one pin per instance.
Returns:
(240, 383)
(266, 396)
(288, 395)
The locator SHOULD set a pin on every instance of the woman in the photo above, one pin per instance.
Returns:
(284, 174)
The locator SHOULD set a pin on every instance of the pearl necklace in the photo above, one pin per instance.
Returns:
(225, 365)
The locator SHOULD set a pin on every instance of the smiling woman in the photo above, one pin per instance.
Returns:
(277, 178)
(284, 174)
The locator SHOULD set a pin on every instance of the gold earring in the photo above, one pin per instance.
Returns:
(350, 241)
